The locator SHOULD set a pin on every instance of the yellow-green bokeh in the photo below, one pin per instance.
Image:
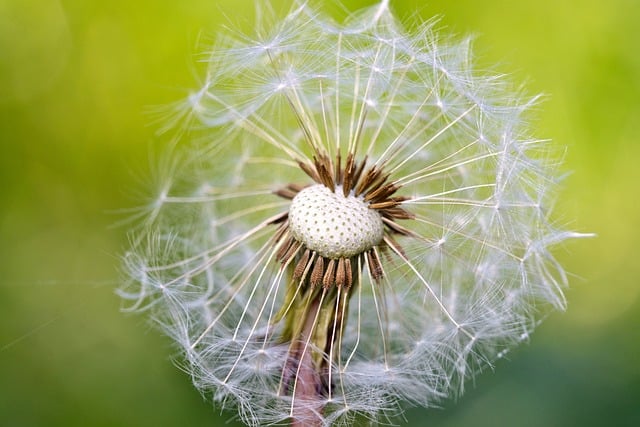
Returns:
(77, 81)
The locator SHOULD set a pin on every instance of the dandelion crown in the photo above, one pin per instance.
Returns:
(358, 221)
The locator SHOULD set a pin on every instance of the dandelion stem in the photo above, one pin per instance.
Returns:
(306, 408)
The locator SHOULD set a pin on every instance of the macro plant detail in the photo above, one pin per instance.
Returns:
(353, 219)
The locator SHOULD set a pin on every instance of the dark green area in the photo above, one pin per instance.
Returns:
(77, 81)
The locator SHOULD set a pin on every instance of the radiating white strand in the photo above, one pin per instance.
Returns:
(354, 140)
(383, 9)
(224, 249)
(358, 328)
(275, 294)
(437, 196)
(337, 89)
(433, 138)
(485, 242)
(432, 165)
(391, 147)
(264, 253)
(380, 313)
(305, 123)
(451, 201)
(208, 199)
(333, 341)
(325, 124)
(340, 337)
(448, 168)
(183, 263)
(301, 282)
(257, 283)
(274, 284)
(354, 105)
(261, 129)
(429, 289)
(382, 120)
(246, 212)
(276, 161)
(307, 120)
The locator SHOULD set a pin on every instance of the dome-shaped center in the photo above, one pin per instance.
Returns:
(333, 225)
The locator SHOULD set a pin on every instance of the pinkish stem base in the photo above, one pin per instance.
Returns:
(307, 402)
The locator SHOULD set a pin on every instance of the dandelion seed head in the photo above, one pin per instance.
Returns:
(360, 220)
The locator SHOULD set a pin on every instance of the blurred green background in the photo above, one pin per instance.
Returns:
(76, 77)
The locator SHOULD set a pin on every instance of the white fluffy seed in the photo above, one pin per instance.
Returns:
(333, 225)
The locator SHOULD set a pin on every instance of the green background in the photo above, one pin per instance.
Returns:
(77, 81)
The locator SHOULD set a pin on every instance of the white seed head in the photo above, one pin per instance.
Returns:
(219, 258)
(333, 225)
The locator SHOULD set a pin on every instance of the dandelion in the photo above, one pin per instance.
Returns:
(358, 221)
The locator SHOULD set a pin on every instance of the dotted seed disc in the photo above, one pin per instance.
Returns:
(333, 225)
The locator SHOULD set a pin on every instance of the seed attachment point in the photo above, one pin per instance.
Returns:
(333, 225)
